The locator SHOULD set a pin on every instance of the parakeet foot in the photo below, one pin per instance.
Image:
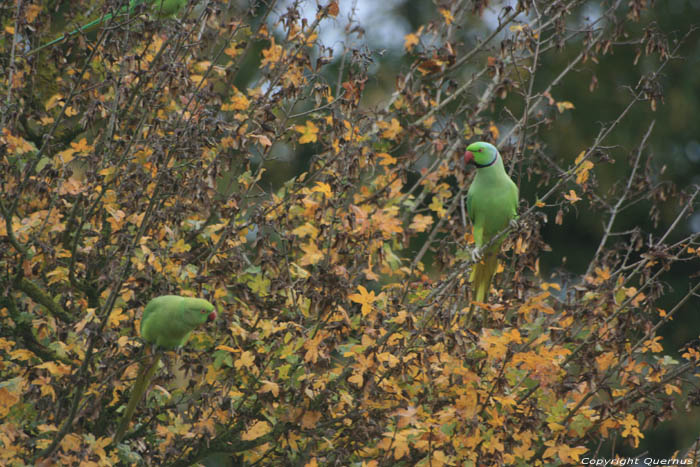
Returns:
(514, 224)
(477, 255)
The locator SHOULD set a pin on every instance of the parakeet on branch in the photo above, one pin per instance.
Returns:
(492, 203)
(167, 323)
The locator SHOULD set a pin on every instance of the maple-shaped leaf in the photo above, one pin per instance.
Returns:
(447, 15)
(572, 197)
(312, 254)
(309, 132)
(631, 429)
(365, 298)
(324, 188)
(421, 223)
(237, 102)
(306, 230)
(391, 130)
(257, 430)
(272, 54)
(247, 359)
(310, 419)
(411, 40)
(269, 386)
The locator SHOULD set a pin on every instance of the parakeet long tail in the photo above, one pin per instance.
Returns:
(482, 273)
(86, 27)
(65, 36)
(144, 376)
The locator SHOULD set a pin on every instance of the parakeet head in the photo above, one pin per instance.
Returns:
(481, 154)
(198, 311)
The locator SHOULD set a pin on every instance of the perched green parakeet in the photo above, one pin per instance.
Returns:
(492, 203)
(167, 322)
(162, 8)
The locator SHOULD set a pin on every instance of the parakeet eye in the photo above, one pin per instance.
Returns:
(204, 311)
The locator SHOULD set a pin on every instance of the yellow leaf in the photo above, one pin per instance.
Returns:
(65, 156)
(269, 386)
(257, 430)
(247, 359)
(420, 223)
(310, 419)
(21, 355)
(365, 298)
(410, 41)
(564, 105)
(232, 51)
(324, 188)
(59, 274)
(272, 54)
(631, 426)
(31, 12)
(582, 172)
(391, 130)
(237, 102)
(572, 197)
(356, 379)
(605, 360)
(493, 129)
(180, 246)
(117, 317)
(53, 101)
(429, 122)
(386, 159)
(71, 442)
(312, 254)
(81, 146)
(304, 230)
(447, 15)
(309, 132)
(55, 368)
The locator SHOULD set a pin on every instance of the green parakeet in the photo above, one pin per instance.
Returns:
(162, 8)
(492, 203)
(167, 322)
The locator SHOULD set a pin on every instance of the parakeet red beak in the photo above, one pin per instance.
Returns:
(212, 316)
(468, 157)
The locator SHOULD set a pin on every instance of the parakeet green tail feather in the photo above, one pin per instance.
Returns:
(144, 376)
(481, 276)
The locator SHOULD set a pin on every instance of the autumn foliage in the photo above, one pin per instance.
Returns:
(141, 160)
